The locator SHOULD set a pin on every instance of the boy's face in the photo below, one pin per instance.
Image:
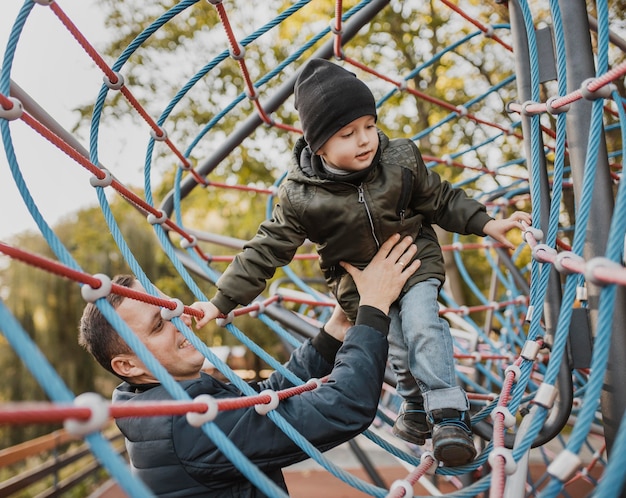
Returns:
(162, 338)
(353, 147)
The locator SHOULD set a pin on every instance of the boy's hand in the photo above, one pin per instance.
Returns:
(381, 282)
(497, 229)
(210, 312)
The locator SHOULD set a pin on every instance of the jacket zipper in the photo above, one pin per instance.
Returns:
(405, 194)
(361, 192)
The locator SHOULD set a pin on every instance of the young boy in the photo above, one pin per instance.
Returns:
(349, 188)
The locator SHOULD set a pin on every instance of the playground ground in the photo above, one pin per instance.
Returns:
(309, 480)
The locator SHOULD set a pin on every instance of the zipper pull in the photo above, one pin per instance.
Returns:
(361, 195)
(402, 213)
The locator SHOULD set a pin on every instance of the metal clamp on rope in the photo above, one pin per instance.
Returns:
(542, 248)
(252, 94)
(530, 350)
(260, 309)
(434, 464)
(265, 408)
(240, 55)
(187, 244)
(14, 112)
(114, 86)
(537, 233)
(97, 421)
(334, 30)
(168, 314)
(154, 220)
(90, 294)
(595, 263)
(556, 110)
(508, 417)
(197, 419)
(160, 136)
(222, 322)
(401, 484)
(315, 381)
(545, 396)
(525, 106)
(515, 370)
(508, 107)
(558, 261)
(564, 466)
(529, 314)
(510, 465)
(604, 92)
(105, 181)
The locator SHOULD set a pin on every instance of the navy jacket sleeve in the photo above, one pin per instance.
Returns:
(327, 416)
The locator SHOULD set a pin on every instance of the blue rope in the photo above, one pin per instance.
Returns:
(56, 390)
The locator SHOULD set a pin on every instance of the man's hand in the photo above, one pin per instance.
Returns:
(497, 229)
(381, 282)
(338, 324)
(210, 312)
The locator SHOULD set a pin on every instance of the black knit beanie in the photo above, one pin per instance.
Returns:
(327, 98)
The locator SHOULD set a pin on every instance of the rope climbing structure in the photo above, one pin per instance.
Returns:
(547, 127)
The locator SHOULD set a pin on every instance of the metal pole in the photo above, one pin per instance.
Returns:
(522, 70)
(580, 66)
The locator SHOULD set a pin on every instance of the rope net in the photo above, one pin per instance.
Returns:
(511, 142)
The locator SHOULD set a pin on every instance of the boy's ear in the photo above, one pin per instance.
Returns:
(127, 366)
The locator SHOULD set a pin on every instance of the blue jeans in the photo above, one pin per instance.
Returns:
(420, 350)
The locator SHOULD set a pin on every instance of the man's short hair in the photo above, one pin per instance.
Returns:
(97, 335)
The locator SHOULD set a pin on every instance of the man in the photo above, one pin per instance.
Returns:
(175, 459)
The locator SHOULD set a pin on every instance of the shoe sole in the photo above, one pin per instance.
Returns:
(455, 453)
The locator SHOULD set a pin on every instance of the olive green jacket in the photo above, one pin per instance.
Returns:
(348, 221)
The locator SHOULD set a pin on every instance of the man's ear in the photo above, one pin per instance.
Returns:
(127, 366)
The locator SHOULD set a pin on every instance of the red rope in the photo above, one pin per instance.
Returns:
(84, 278)
(114, 78)
(44, 412)
(478, 24)
(593, 86)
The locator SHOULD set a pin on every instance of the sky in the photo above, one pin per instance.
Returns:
(54, 70)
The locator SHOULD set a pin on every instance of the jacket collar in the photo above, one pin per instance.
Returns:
(311, 165)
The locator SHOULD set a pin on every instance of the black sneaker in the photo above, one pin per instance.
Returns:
(453, 444)
(411, 424)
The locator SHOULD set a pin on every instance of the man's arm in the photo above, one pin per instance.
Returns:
(345, 405)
